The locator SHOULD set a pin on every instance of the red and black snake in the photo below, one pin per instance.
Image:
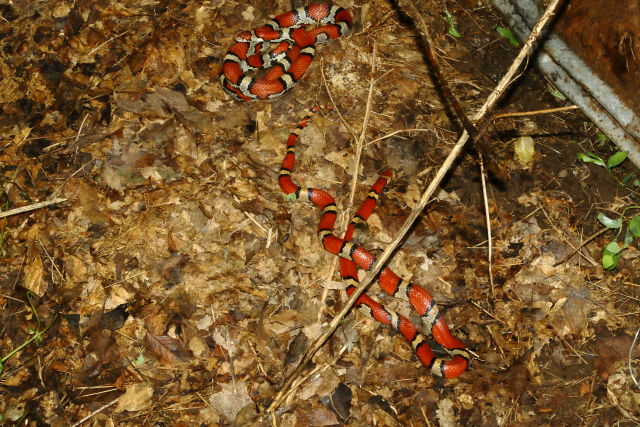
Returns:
(293, 50)
(352, 254)
(284, 63)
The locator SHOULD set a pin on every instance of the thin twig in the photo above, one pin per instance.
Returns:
(488, 221)
(100, 409)
(31, 207)
(580, 246)
(410, 9)
(389, 135)
(587, 257)
(333, 104)
(633, 344)
(536, 112)
(426, 196)
(365, 124)
(57, 190)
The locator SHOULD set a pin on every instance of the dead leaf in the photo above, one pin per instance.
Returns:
(623, 394)
(318, 417)
(609, 351)
(168, 350)
(102, 355)
(111, 178)
(231, 399)
(33, 275)
(135, 398)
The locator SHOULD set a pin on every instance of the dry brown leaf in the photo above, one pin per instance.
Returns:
(33, 275)
(287, 320)
(610, 351)
(111, 178)
(135, 398)
(168, 350)
(319, 416)
(623, 394)
(231, 399)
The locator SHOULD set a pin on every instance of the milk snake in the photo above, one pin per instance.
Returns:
(284, 65)
(293, 50)
(352, 255)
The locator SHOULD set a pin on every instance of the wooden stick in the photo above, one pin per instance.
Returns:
(536, 112)
(31, 207)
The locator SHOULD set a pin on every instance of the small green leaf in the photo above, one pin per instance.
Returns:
(613, 248)
(634, 225)
(507, 34)
(628, 238)
(627, 178)
(616, 158)
(609, 222)
(636, 182)
(452, 29)
(555, 92)
(610, 255)
(139, 361)
(609, 261)
(291, 197)
(602, 138)
(37, 336)
(591, 158)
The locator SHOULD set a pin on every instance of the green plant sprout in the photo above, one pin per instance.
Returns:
(614, 160)
(37, 335)
(613, 249)
(555, 92)
(507, 34)
(602, 138)
(452, 24)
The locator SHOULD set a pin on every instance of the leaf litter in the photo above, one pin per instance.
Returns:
(186, 286)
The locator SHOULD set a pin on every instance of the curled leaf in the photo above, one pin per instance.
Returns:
(613, 248)
(452, 29)
(591, 158)
(609, 222)
(609, 261)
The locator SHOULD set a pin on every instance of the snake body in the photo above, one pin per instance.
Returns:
(352, 255)
(293, 49)
(282, 51)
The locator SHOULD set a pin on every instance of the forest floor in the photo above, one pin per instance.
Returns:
(175, 285)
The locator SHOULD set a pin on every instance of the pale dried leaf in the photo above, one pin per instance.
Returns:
(111, 178)
(33, 276)
(135, 398)
(231, 399)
